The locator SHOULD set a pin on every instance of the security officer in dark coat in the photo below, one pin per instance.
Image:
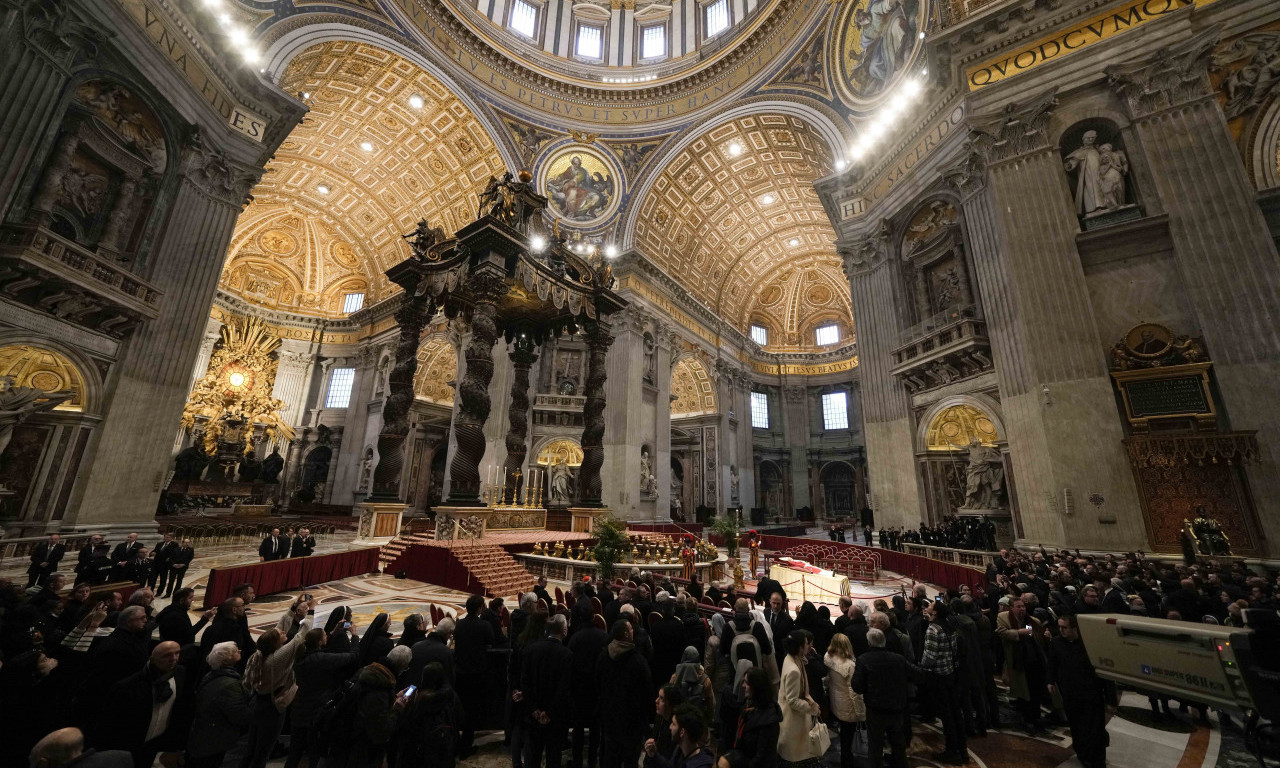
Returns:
(1085, 696)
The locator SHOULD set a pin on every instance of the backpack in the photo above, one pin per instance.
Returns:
(429, 737)
(738, 648)
(333, 724)
(695, 693)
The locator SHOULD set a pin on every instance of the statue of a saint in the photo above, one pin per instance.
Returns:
(648, 486)
(1114, 167)
(189, 464)
(984, 477)
(366, 471)
(250, 468)
(733, 484)
(561, 483)
(1086, 162)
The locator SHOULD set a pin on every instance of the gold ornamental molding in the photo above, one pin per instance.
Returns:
(805, 369)
(1078, 36)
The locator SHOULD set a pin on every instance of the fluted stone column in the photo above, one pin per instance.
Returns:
(1222, 245)
(746, 444)
(598, 340)
(624, 430)
(39, 44)
(212, 334)
(154, 372)
(523, 356)
(662, 356)
(890, 435)
(293, 379)
(1059, 407)
(794, 408)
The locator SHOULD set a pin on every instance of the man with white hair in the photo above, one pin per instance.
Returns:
(223, 709)
(881, 676)
(123, 652)
(65, 746)
(856, 629)
(434, 648)
(1115, 600)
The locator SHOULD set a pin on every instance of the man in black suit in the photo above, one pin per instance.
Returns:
(1115, 600)
(179, 562)
(472, 639)
(44, 560)
(165, 551)
(83, 571)
(540, 589)
(123, 555)
(780, 622)
(544, 686)
(174, 620)
(273, 547)
(856, 629)
(303, 544)
(143, 713)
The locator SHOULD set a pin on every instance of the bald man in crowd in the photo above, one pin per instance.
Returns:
(141, 713)
(66, 746)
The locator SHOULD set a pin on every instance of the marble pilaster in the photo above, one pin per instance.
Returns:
(1059, 407)
(1222, 244)
(890, 433)
(39, 43)
(155, 369)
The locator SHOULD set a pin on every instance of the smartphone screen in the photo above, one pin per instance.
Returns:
(409, 691)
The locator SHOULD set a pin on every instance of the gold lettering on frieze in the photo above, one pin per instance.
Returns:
(805, 369)
(1080, 35)
(661, 109)
(174, 47)
(908, 159)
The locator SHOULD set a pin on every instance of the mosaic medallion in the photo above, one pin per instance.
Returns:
(580, 185)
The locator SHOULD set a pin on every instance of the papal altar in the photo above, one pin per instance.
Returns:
(803, 581)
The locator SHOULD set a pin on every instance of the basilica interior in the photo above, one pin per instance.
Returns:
(402, 265)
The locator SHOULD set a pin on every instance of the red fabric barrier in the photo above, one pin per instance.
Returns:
(285, 575)
(949, 575)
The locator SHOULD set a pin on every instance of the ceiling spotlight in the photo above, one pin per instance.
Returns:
(306, 94)
(856, 151)
(214, 4)
(921, 35)
(767, 199)
(611, 251)
(322, 189)
(416, 101)
(793, 242)
(250, 55)
(367, 146)
(237, 35)
(537, 243)
(735, 149)
(224, 19)
(841, 164)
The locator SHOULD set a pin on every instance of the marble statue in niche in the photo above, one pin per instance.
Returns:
(648, 358)
(366, 470)
(648, 483)
(1100, 171)
(733, 484)
(561, 483)
(984, 477)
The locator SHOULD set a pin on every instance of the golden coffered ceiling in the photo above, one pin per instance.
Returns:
(691, 389)
(437, 371)
(730, 228)
(799, 296)
(414, 163)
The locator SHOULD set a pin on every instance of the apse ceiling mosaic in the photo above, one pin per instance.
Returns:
(384, 145)
(437, 370)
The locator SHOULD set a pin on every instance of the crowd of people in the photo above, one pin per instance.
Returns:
(162, 567)
(627, 674)
(973, 533)
(277, 546)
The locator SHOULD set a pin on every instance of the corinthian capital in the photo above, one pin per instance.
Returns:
(1175, 75)
(1017, 129)
(866, 252)
(209, 170)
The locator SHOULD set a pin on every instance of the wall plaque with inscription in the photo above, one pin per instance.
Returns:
(1172, 392)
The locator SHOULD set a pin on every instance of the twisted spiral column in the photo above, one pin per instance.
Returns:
(598, 340)
(412, 317)
(522, 359)
(486, 286)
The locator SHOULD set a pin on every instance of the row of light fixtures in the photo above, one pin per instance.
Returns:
(538, 244)
(234, 32)
(880, 125)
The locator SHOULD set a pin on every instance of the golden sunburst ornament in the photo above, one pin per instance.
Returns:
(236, 389)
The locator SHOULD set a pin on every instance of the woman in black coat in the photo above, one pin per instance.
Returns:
(756, 738)
(377, 642)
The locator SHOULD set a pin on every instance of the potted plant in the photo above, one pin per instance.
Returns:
(727, 527)
(611, 543)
